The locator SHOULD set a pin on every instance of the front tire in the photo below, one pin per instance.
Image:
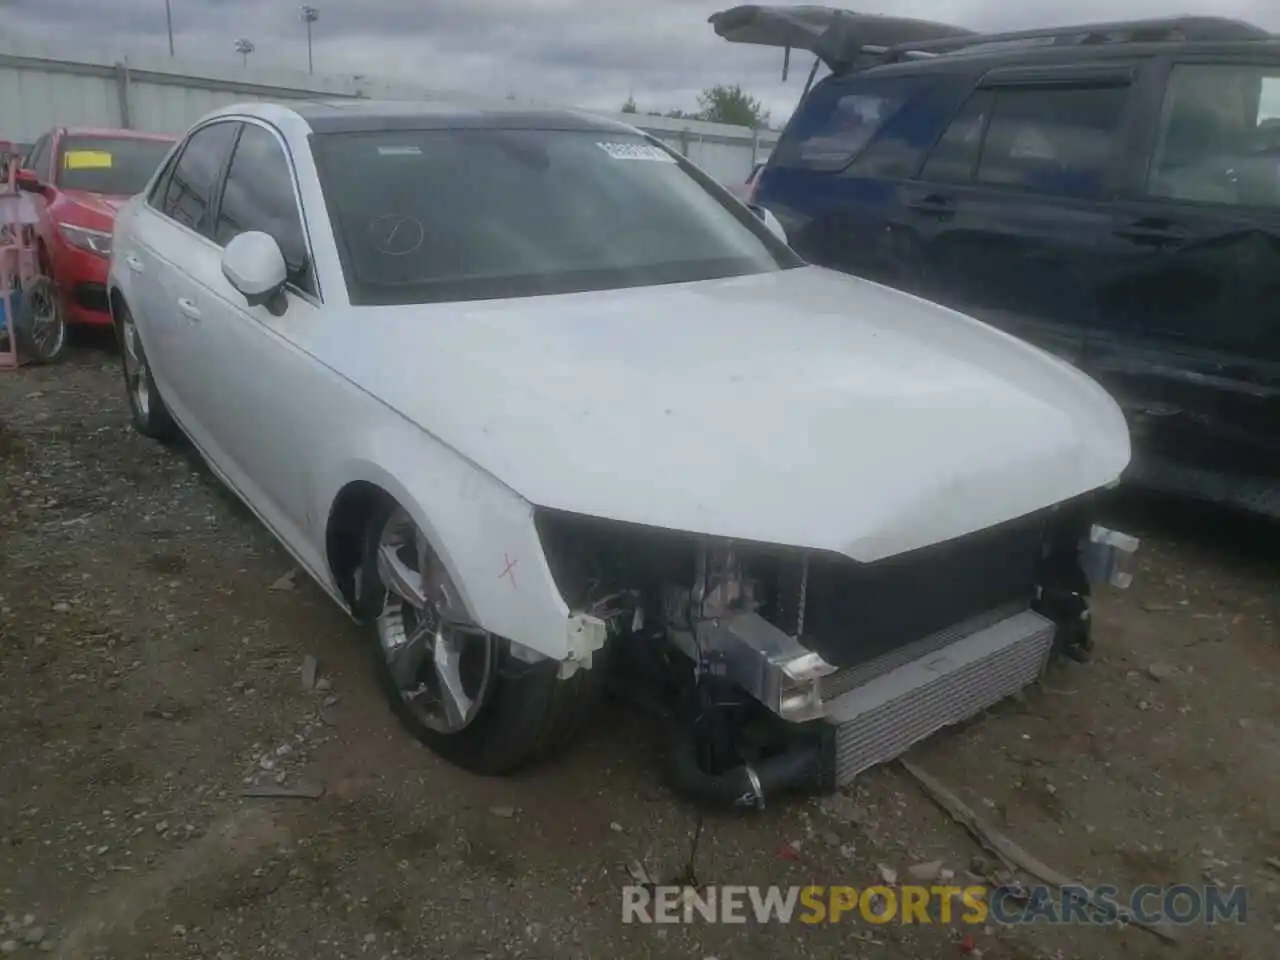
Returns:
(147, 411)
(453, 685)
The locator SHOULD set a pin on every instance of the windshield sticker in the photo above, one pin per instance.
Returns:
(86, 160)
(635, 151)
(406, 150)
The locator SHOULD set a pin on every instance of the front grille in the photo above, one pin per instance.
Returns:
(879, 720)
(856, 613)
(91, 296)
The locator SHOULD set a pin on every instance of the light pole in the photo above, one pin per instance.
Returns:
(244, 47)
(309, 16)
(168, 22)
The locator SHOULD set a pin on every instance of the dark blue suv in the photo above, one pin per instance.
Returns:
(1110, 192)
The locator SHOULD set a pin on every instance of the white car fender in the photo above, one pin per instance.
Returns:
(482, 532)
(119, 277)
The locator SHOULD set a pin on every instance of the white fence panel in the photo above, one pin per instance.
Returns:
(30, 96)
(42, 87)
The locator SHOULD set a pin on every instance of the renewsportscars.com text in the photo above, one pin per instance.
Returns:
(969, 905)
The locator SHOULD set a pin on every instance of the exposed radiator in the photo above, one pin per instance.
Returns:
(881, 718)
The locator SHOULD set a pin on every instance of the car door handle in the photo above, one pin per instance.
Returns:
(188, 308)
(934, 203)
(1154, 233)
(133, 263)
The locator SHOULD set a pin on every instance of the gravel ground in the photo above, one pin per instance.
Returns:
(150, 673)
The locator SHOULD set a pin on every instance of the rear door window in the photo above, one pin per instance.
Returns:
(839, 119)
(1054, 140)
(1219, 139)
(155, 197)
(190, 188)
(955, 156)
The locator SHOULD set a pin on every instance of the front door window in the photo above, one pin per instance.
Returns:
(1219, 139)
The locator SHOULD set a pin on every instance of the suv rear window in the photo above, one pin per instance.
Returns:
(838, 119)
(1057, 141)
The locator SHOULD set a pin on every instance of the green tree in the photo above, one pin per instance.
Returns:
(725, 104)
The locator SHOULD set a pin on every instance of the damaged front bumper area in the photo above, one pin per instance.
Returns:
(1105, 556)
(781, 665)
(873, 711)
(769, 665)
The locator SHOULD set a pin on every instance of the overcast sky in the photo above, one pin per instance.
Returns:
(593, 53)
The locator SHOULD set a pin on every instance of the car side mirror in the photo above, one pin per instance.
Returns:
(771, 223)
(253, 264)
(28, 180)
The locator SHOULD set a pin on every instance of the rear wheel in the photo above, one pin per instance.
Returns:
(453, 685)
(39, 323)
(149, 414)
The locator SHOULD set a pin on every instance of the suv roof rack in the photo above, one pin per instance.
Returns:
(1161, 30)
(846, 40)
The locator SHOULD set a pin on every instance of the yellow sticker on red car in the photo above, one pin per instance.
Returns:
(86, 160)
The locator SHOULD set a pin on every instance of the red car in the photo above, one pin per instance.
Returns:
(78, 178)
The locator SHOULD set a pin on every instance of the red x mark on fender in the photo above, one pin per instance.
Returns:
(509, 570)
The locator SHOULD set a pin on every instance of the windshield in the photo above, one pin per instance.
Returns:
(465, 214)
(111, 165)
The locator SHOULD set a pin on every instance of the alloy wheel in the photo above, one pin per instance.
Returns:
(441, 663)
(48, 331)
(136, 376)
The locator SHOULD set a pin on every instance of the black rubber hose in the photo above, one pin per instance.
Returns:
(742, 787)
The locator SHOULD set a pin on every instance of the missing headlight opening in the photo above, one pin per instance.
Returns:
(779, 668)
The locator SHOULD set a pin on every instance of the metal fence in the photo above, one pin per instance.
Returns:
(43, 86)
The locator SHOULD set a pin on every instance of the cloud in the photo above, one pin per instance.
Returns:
(591, 53)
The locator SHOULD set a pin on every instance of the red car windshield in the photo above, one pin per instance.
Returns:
(111, 165)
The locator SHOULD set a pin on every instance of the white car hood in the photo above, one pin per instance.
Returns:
(803, 407)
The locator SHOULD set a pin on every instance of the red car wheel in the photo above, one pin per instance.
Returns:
(39, 324)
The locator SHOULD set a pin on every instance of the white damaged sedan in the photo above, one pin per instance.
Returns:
(547, 409)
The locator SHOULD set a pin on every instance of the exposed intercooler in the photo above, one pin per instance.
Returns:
(883, 716)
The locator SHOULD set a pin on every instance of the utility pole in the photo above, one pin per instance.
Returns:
(168, 20)
(244, 47)
(309, 16)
